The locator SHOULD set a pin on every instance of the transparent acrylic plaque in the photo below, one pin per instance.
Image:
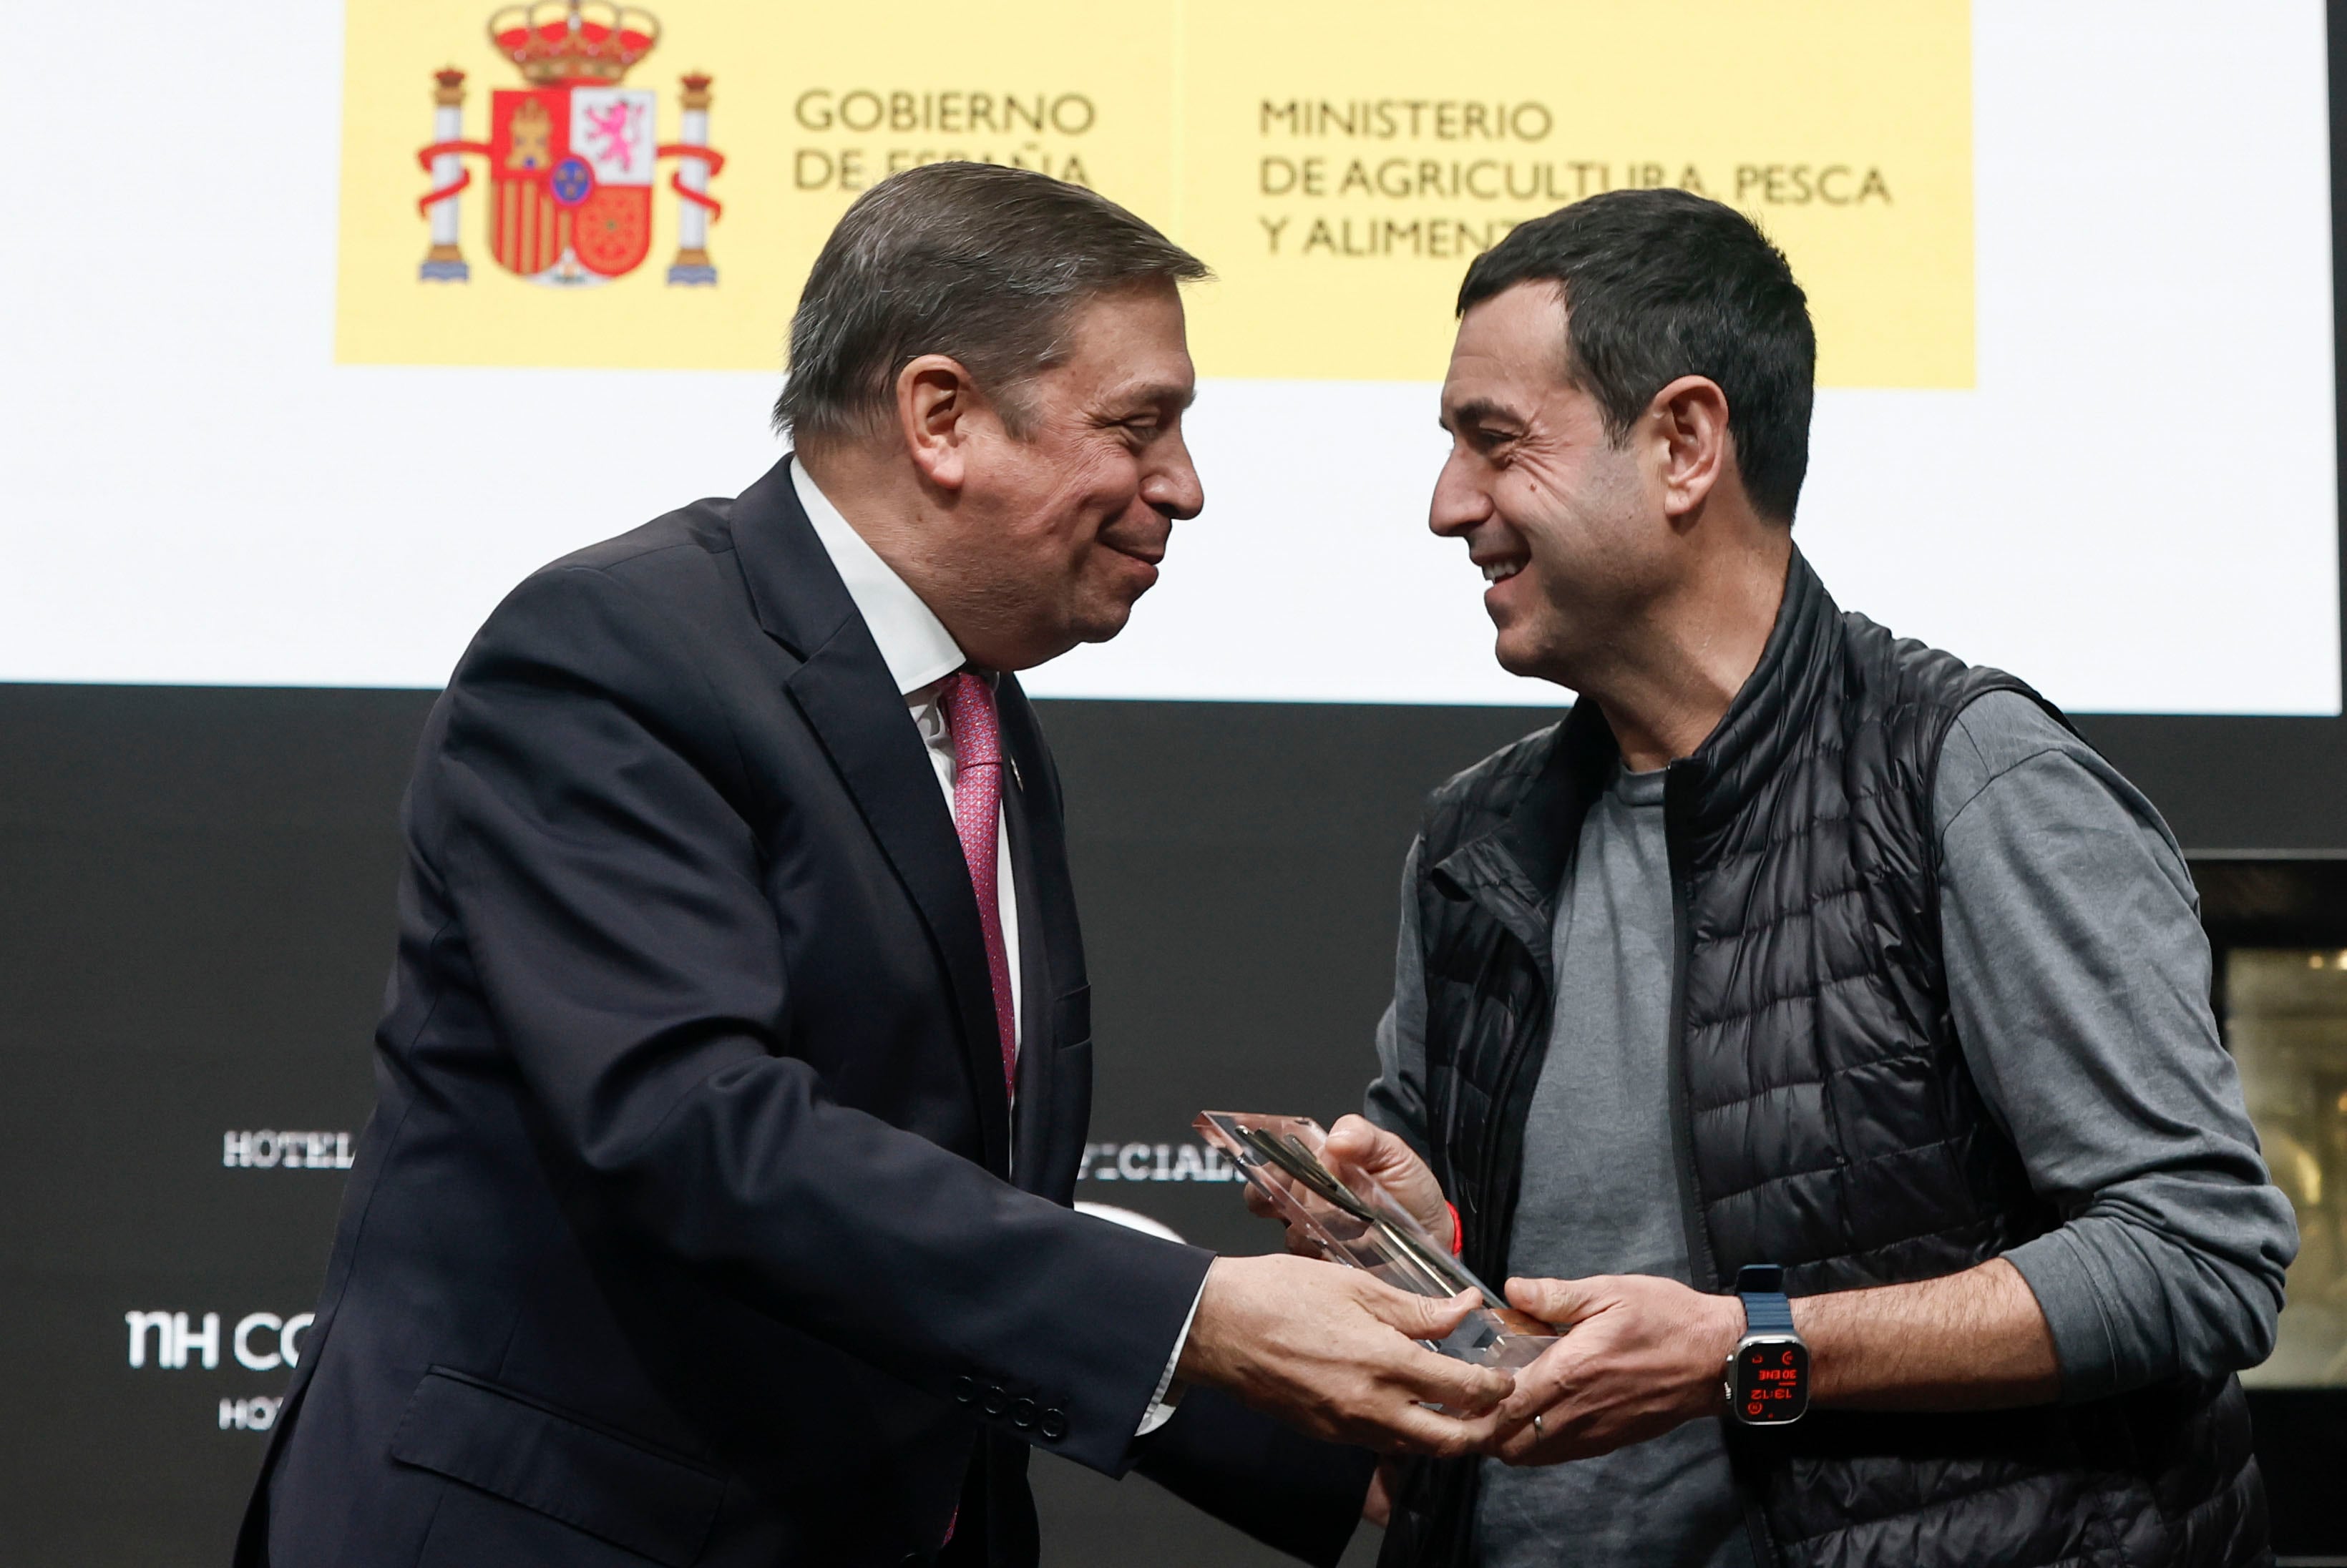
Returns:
(1357, 1222)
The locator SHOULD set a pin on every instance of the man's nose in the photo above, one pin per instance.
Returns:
(1173, 485)
(1460, 502)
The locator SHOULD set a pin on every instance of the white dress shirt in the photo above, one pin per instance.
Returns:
(920, 653)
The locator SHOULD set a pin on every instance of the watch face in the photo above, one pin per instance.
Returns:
(1770, 1382)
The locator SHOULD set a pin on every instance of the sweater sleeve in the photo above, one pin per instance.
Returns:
(2079, 976)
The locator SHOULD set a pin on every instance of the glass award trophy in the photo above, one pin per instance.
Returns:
(1357, 1222)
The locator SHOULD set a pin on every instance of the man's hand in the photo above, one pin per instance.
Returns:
(1328, 1349)
(1648, 1354)
(1356, 1143)
(1645, 1355)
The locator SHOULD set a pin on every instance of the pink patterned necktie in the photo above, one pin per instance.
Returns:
(969, 704)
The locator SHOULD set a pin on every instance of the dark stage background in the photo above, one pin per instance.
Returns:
(195, 924)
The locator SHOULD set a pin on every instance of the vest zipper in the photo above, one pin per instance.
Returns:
(1703, 1270)
(1703, 1267)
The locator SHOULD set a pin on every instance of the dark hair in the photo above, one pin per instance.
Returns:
(1660, 284)
(973, 260)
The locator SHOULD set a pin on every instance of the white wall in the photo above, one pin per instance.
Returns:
(2136, 507)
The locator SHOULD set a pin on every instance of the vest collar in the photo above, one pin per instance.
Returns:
(1767, 717)
(1526, 857)
(1534, 845)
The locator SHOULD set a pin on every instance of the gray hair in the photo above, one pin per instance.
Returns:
(981, 263)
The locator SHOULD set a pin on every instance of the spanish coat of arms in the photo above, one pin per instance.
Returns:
(571, 156)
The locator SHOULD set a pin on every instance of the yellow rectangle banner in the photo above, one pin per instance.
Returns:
(621, 190)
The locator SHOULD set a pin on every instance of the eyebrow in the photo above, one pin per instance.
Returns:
(1166, 399)
(1476, 410)
(1157, 394)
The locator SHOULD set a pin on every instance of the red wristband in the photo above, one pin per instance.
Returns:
(1458, 1231)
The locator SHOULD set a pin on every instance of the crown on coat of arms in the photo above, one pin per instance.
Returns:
(568, 42)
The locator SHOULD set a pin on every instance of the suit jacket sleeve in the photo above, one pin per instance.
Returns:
(581, 816)
(1290, 1492)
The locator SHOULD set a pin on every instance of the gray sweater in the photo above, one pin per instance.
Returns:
(2079, 977)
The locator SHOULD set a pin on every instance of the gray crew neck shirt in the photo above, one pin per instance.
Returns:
(1598, 1195)
(2079, 977)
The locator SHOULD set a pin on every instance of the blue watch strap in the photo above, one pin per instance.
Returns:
(1766, 1309)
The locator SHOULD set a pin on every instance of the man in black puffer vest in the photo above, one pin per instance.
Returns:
(1796, 943)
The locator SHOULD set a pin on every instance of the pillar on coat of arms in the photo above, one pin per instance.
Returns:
(692, 265)
(445, 261)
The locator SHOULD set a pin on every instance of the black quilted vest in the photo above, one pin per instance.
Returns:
(1823, 1115)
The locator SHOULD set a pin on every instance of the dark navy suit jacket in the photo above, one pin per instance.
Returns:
(687, 1229)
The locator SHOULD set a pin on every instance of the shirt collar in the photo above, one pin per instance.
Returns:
(917, 649)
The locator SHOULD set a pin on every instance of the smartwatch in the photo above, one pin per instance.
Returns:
(1768, 1375)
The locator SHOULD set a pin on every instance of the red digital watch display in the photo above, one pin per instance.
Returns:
(1768, 1374)
(1769, 1380)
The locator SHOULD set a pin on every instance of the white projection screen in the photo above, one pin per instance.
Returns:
(229, 457)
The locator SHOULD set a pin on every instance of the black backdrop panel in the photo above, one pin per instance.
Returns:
(194, 929)
(195, 924)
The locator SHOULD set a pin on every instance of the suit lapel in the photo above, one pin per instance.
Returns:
(1041, 845)
(1034, 1127)
(1030, 1120)
(1051, 944)
(844, 690)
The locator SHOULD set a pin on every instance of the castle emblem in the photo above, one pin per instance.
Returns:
(572, 156)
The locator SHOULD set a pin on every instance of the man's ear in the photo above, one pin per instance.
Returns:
(1689, 422)
(936, 404)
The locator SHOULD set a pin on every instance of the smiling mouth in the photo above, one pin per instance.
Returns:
(1500, 571)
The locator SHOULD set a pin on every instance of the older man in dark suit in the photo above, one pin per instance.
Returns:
(737, 1059)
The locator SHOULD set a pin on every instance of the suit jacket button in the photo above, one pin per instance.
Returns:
(996, 1400)
(1022, 1414)
(965, 1392)
(1053, 1424)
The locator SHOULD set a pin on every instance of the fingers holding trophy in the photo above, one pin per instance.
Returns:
(1322, 1188)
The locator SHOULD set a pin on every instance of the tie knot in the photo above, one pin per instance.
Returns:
(969, 704)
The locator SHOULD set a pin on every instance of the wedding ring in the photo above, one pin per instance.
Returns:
(1537, 1431)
